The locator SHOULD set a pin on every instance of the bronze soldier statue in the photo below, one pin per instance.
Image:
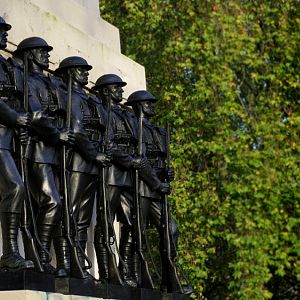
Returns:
(84, 159)
(45, 141)
(156, 149)
(11, 185)
(120, 184)
(119, 178)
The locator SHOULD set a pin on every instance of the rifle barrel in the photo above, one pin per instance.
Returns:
(69, 101)
(25, 82)
(146, 278)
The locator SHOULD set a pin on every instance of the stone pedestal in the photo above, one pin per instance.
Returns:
(174, 296)
(26, 280)
(16, 285)
(35, 295)
(146, 294)
(74, 286)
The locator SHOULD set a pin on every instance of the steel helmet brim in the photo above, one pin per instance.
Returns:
(4, 25)
(140, 96)
(108, 79)
(31, 43)
(72, 62)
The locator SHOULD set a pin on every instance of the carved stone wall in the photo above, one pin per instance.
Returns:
(73, 27)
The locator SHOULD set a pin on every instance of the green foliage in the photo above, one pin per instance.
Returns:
(227, 74)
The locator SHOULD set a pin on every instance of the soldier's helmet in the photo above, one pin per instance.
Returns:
(140, 96)
(4, 25)
(108, 79)
(33, 42)
(72, 62)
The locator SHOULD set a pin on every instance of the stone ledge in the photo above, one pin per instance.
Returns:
(37, 295)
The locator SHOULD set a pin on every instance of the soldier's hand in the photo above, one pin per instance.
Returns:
(170, 174)
(164, 188)
(108, 149)
(67, 136)
(24, 120)
(23, 136)
(139, 162)
(103, 159)
(109, 152)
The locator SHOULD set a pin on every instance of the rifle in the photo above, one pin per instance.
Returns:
(68, 218)
(146, 280)
(28, 214)
(170, 278)
(113, 271)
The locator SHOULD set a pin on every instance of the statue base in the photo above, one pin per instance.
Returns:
(26, 280)
(75, 286)
(31, 280)
(174, 296)
(146, 294)
(114, 291)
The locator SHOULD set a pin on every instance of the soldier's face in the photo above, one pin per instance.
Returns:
(40, 56)
(81, 76)
(3, 38)
(116, 92)
(148, 108)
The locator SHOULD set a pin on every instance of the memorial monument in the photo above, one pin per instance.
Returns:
(70, 153)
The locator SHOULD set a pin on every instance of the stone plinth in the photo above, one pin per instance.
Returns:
(35, 295)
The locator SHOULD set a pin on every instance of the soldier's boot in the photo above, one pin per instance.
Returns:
(45, 233)
(82, 260)
(62, 252)
(31, 249)
(126, 266)
(136, 268)
(11, 258)
(102, 257)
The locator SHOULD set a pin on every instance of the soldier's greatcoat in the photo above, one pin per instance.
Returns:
(155, 149)
(88, 128)
(12, 191)
(44, 147)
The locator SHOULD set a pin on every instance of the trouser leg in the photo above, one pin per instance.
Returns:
(126, 248)
(155, 219)
(120, 202)
(12, 193)
(169, 279)
(114, 193)
(145, 211)
(43, 184)
(82, 196)
(44, 187)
